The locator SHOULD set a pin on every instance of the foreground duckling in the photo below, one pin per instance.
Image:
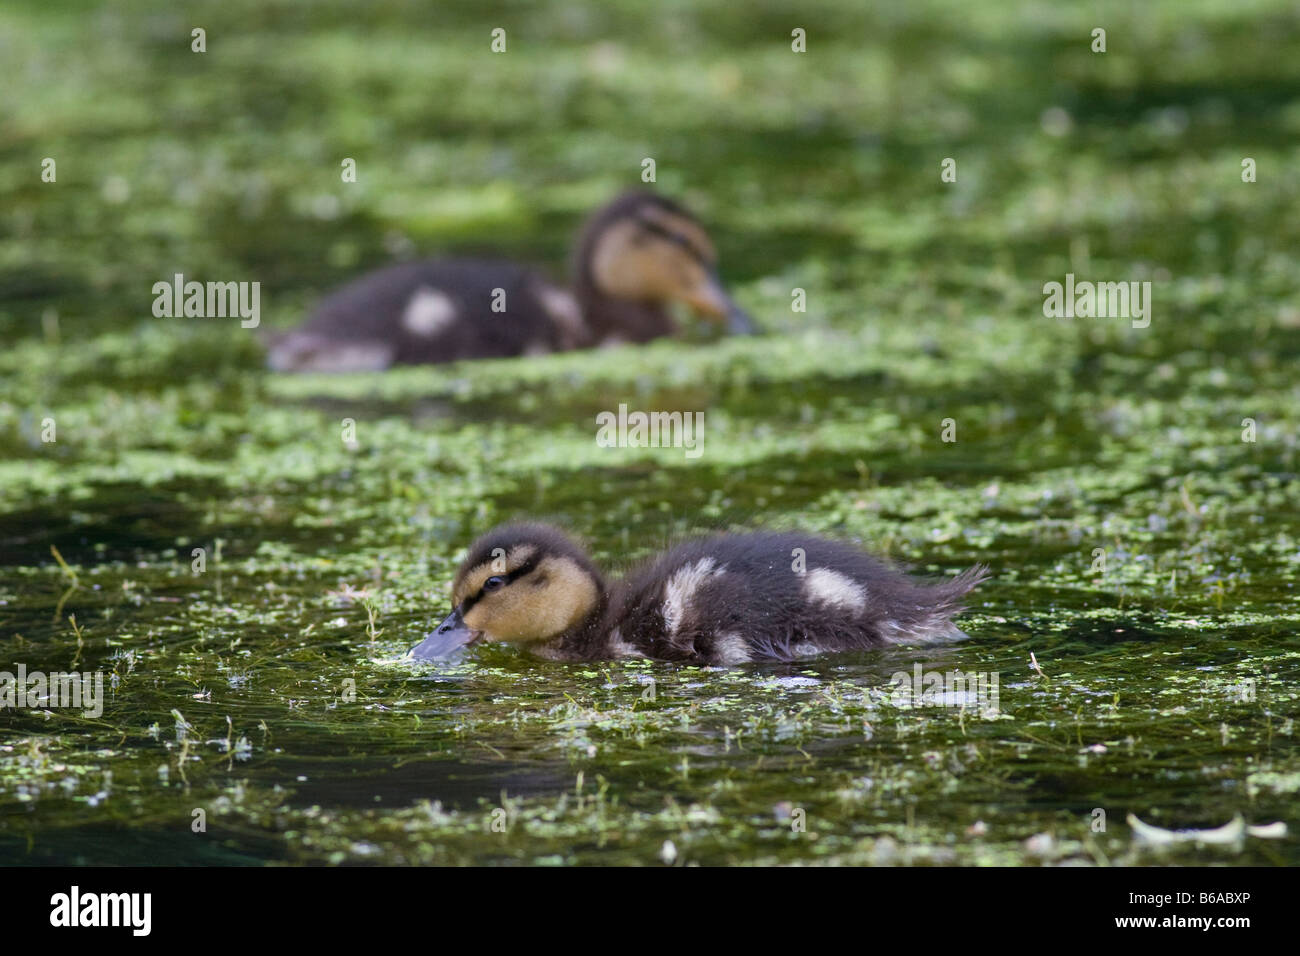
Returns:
(723, 600)
(634, 258)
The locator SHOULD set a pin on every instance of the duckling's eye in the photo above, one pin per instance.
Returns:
(493, 583)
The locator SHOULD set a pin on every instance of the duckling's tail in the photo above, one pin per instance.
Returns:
(967, 581)
(305, 351)
(921, 611)
(944, 600)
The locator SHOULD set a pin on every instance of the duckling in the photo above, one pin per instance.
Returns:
(721, 600)
(633, 258)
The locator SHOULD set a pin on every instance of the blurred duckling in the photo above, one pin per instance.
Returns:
(722, 600)
(634, 258)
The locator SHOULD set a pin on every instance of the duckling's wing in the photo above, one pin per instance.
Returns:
(427, 312)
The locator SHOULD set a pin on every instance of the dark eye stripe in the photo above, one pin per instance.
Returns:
(674, 237)
(526, 568)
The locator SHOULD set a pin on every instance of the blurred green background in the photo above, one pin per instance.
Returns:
(818, 171)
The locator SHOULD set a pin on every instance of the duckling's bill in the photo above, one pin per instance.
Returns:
(711, 299)
(447, 638)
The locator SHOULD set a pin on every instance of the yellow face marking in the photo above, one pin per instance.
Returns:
(681, 226)
(471, 581)
(633, 262)
(552, 599)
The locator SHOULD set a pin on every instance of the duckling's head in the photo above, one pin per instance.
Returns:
(642, 248)
(520, 583)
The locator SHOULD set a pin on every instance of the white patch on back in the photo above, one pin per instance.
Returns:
(681, 587)
(564, 312)
(621, 648)
(428, 313)
(832, 589)
(730, 648)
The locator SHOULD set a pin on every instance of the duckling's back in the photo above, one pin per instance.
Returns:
(432, 311)
(773, 596)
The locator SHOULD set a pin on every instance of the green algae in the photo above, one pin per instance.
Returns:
(1144, 554)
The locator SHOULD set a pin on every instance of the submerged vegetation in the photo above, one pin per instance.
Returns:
(244, 556)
